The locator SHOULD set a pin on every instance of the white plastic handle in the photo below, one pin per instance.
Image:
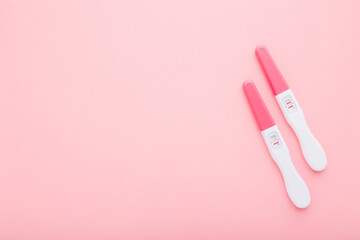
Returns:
(295, 185)
(311, 148)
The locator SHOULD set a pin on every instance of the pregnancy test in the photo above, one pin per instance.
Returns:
(295, 185)
(311, 148)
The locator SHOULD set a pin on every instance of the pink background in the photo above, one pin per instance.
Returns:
(126, 119)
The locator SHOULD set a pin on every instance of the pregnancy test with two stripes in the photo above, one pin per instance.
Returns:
(295, 185)
(311, 148)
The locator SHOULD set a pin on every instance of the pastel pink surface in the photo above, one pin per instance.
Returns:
(258, 107)
(126, 119)
(272, 72)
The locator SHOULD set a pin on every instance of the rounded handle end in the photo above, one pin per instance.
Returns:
(297, 190)
(314, 155)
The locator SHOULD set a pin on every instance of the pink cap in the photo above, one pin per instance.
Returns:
(276, 80)
(261, 113)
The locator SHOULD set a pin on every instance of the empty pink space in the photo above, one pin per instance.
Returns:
(127, 119)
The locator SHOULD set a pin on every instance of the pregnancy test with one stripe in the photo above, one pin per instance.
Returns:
(295, 185)
(311, 148)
